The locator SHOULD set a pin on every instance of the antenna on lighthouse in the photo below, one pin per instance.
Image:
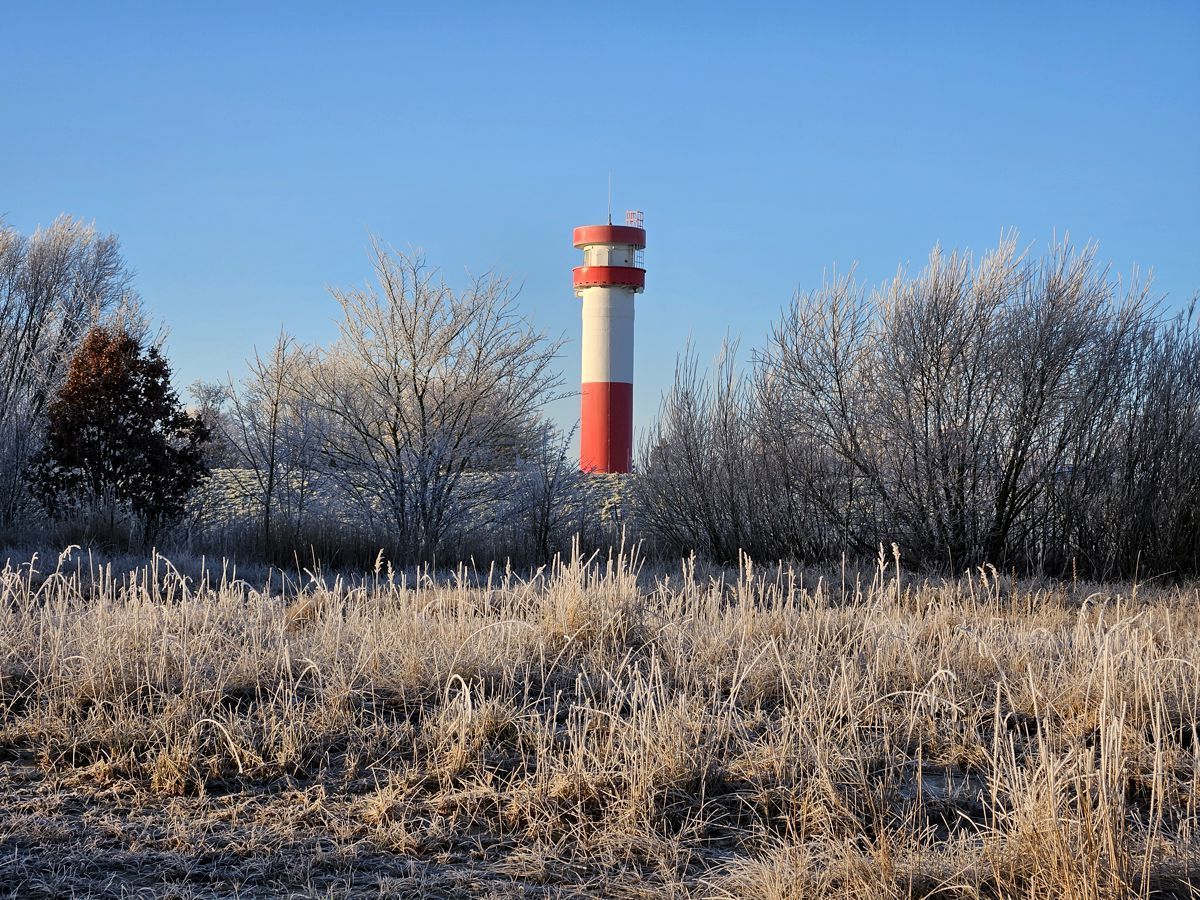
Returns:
(610, 198)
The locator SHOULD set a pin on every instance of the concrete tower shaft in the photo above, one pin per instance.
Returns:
(610, 277)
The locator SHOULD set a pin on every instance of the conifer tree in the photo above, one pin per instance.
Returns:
(117, 436)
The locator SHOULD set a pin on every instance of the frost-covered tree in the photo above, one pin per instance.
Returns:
(546, 493)
(425, 389)
(272, 434)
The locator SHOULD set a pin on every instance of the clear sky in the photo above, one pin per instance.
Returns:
(244, 151)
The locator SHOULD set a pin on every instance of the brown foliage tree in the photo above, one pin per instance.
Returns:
(117, 435)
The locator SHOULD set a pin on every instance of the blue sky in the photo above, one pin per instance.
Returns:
(244, 152)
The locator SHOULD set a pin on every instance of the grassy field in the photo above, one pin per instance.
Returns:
(598, 729)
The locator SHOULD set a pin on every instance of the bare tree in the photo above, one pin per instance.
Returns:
(546, 492)
(424, 387)
(814, 384)
(955, 398)
(273, 434)
(708, 477)
(1130, 500)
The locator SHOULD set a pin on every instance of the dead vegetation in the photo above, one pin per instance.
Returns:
(596, 730)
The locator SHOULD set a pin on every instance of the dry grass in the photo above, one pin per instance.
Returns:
(596, 731)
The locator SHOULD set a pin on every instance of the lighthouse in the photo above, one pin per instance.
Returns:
(611, 276)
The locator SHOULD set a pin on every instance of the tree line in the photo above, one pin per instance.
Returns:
(419, 429)
(1025, 410)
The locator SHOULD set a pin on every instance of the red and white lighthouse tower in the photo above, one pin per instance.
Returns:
(611, 275)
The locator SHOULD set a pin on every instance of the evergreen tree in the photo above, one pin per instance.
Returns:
(117, 436)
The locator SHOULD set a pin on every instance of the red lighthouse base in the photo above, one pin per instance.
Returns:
(606, 441)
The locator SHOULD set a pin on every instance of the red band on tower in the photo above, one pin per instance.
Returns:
(633, 236)
(606, 441)
(609, 276)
